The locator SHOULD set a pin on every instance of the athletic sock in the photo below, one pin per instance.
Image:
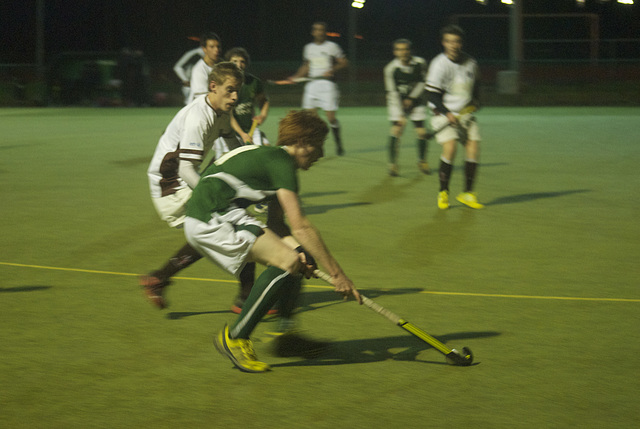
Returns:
(393, 149)
(247, 278)
(445, 174)
(335, 129)
(186, 256)
(289, 300)
(268, 288)
(470, 168)
(422, 149)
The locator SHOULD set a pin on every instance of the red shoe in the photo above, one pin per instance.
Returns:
(237, 308)
(153, 289)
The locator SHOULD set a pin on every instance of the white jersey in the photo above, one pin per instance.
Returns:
(321, 57)
(184, 65)
(189, 136)
(405, 81)
(199, 79)
(454, 80)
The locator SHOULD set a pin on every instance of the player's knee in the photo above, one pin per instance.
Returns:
(290, 261)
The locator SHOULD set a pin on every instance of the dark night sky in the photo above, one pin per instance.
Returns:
(277, 29)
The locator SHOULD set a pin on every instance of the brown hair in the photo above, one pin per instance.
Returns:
(302, 125)
(237, 52)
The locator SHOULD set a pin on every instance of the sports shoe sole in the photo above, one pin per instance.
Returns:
(221, 345)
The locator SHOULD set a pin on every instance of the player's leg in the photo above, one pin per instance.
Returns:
(397, 118)
(328, 97)
(171, 209)
(468, 197)
(334, 124)
(418, 115)
(422, 146)
(397, 128)
(155, 282)
(448, 139)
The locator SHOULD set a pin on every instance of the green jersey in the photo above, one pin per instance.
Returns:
(244, 176)
(244, 111)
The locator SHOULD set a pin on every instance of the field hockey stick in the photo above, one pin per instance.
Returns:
(453, 356)
(289, 81)
(466, 111)
(254, 125)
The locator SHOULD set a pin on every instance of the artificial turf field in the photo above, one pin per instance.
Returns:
(542, 284)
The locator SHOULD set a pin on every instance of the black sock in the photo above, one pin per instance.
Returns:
(422, 149)
(335, 129)
(393, 149)
(445, 175)
(186, 256)
(470, 168)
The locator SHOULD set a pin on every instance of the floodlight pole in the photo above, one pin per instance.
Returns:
(40, 40)
(515, 35)
(353, 23)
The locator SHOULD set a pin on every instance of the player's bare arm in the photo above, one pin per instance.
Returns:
(308, 236)
(303, 71)
(236, 127)
(339, 64)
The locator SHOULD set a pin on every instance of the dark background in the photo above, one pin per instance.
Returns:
(277, 29)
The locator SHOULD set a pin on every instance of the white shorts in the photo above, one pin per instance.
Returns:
(466, 130)
(321, 93)
(396, 112)
(221, 146)
(226, 239)
(171, 208)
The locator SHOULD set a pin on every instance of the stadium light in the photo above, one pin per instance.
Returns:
(482, 2)
(358, 4)
(625, 1)
(507, 1)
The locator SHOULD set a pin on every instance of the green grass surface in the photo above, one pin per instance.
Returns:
(542, 285)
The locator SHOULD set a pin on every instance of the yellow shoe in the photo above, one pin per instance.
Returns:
(443, 200)
(469, 199)
(424, 167)
(240, 352)
(393, 170)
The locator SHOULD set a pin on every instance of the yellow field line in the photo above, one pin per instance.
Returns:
(562, 298)
(486, 295)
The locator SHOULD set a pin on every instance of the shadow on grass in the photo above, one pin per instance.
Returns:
(523, 198)
(381, 349)
(326, 207)
(24, 288)
(320, 194)
(176, 315)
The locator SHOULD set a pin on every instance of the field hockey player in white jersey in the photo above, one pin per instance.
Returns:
(321, 59)
(404, 85)
(452, 91)
(212, 48)
(174, 168)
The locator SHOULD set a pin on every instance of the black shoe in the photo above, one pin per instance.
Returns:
(291, 344)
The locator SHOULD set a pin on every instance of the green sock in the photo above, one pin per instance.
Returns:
(268, 288)
(288, 302)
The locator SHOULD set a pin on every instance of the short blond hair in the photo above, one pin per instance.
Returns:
(223, 71)
(302, 125)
